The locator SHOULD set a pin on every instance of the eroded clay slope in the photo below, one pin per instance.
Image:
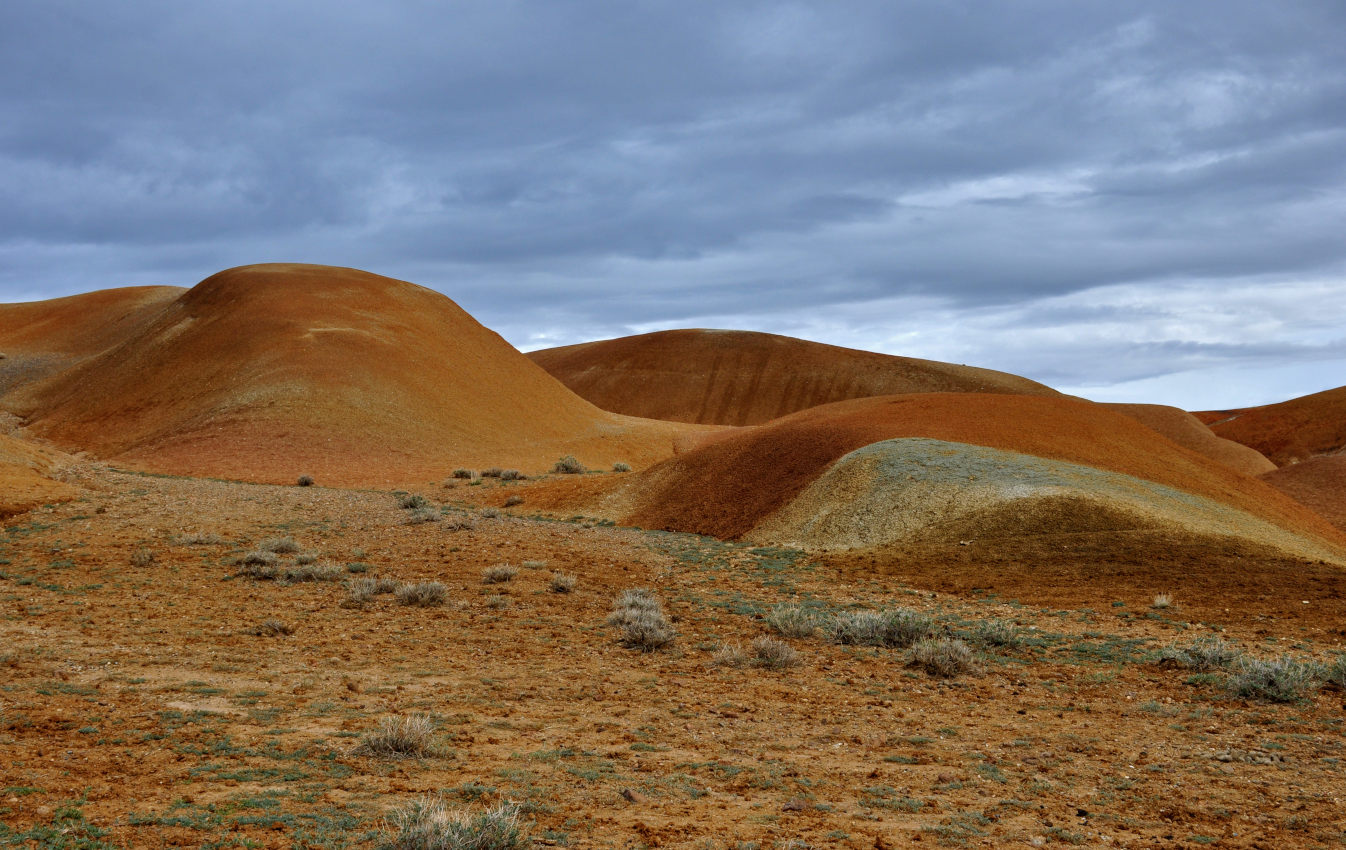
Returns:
(746, 378)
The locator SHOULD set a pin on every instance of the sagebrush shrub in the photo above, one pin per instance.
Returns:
(996, 633)
(792, 621)
(730, 655)
(490, 513)
(423, 515)
(900, 627)
(409, 736)
(279, 545)
(568, 465)
(562, 582)
(945, 657)
(412, 501)
(463, 474)
(428, 824)
(499, 574)
(773, 654)
(305, 481)
(1283, 679)
(1334, 673)
(514, 499)
(493, 472)
(425, 594)
(1202, 655)
(510, 475)
(458, 522)
(312, 572)
(272, 628)
(142, 557)
(621, 467)
(642, 621)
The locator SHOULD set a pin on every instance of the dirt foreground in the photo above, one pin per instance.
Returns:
(141, 707)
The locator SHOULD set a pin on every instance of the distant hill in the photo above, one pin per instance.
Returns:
(746, 378)
(943, 466)
(271, 371)
(1288, 431)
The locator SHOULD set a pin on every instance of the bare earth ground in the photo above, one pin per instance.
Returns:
(138, 709)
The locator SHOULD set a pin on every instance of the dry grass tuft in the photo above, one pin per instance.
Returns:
(272, 628)
(898, 627)
(1161, 601)
(946, 657)
(1202, 655)
(792, 621)
(568, 465)
(423, 515)
(426, 594)
(773, 654)
(562, 582)
(514, 499)
(642, 620)
(1283, 679)
(730, 655)
(463, 474)
(412, 501)
(621, 467)
(499, 574)
(142, 557)
(410, 736)
(279, 545)
(428, 824)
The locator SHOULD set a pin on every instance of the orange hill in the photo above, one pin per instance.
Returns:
(271, 371)
(25, 476)
(1189, 432)
(736, 480)
(39, 338)
(1289, 431)
(746, 378)
(1319, 482)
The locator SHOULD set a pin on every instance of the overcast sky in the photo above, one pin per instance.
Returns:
(1126, 200)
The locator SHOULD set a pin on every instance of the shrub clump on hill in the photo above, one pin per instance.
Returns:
(642, 621)
(1284, 679)
(1203, 655)
(426, 594)
(568, 465)
(792, 621)
(279, 545)
(898, 627)
(428, 824)
(412, 501)
(411, 736)
(305, 481)
(946, 657)
(463, 474)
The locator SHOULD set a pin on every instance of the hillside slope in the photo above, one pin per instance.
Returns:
(746, 378)
(1288, 431)
(267, 372)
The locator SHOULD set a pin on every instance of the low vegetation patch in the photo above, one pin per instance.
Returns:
(425, 594)
(730, 655)
(423, 515)
(898, 627)
(412, 501)
(279, 545)
(562, 582)
(568, 465)
(996, 633)
(642, 621)
(621, 467)
(792, 621)
(312, 572)
(514, 499)
(945, 657)
(142, 557)
(773, 654)
(1203, 655)
(429, 824)
(305, 481)
(499, 574)
(511, 475)
(409, 736)
(1283, 679)
(463, 474)
(272, 628)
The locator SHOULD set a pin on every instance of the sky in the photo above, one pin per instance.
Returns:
(1129, 201)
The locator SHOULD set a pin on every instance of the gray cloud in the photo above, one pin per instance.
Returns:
(567, 171)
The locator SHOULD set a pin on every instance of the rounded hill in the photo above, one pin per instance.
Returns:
(269, 371)
(747, 378)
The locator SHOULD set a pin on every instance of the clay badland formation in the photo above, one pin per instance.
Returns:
(886, 601)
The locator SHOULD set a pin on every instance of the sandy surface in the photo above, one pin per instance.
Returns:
(745, 378)
(138, 706)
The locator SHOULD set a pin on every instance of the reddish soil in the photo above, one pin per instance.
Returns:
(729, 484)
(26, 476)
(1190, 432)
(1290, 431)
(140, 708)
(1319, 483)
(39, 338)
(268, 372)
(744, 378)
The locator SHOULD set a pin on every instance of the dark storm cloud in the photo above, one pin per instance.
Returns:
(628, 164)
